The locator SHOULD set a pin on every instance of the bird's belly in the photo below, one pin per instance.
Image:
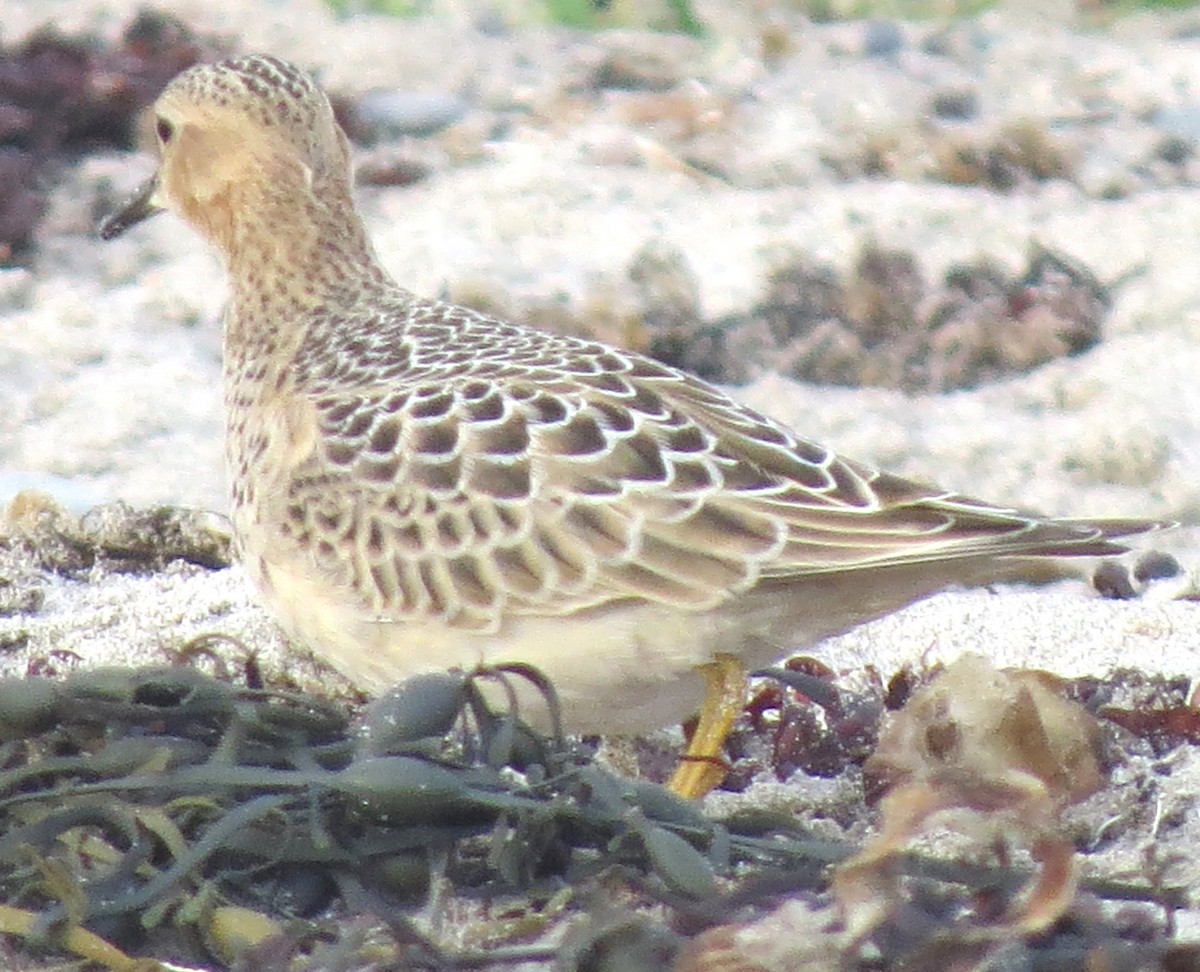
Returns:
(626, 666)
(623, 667)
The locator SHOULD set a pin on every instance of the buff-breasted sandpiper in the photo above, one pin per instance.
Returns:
(416, 485)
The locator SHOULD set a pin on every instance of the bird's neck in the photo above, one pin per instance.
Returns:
(299, 257)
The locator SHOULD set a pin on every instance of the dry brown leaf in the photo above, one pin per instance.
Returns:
(1006, 752)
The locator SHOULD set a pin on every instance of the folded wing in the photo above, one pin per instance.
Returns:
(556, 489)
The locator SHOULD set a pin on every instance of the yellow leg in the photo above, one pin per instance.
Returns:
(702, 767)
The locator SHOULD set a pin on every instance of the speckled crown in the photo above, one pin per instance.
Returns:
(276, 93)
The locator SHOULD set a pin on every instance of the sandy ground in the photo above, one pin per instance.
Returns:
(109, 353)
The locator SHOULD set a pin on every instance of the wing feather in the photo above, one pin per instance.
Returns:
(546, 488)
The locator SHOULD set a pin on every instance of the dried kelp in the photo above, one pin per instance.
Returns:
(62, 95)
(115, 536)
(883, 325)
(167, 813)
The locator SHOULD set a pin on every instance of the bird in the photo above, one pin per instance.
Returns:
(417, 486)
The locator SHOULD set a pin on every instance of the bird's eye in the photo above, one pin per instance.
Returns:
(164, 129)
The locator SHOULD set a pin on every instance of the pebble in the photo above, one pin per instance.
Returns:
(382, 115)
(882, 38)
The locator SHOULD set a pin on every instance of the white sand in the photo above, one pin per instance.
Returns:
(109, 353)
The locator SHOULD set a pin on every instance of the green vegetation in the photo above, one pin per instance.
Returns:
(688, 22)
(827, 10)
(823, 11)
(1129, 6)
(678, 15)
(391, 8)
(666, 15)
(575, 13)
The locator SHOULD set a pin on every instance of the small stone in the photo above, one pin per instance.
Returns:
(390, 168)
(1111, 580)
(956, 104)
(1156, 565)
(1175, 150)
(386, 115)
(882, 38)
